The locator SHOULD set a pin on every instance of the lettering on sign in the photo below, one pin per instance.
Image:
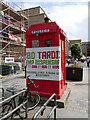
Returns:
(40, 31)
(9, 60)
(44, 63)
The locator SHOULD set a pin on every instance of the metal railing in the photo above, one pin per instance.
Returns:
(13, 111)
(16, 108)
(11, 97)
(43, 107)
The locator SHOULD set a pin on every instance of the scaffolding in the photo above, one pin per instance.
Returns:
(12, 30)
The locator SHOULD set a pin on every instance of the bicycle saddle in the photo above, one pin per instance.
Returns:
(11, 89)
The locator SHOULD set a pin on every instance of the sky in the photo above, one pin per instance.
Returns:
(70, 15)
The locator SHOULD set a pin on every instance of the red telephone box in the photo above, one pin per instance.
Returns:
(45, 58)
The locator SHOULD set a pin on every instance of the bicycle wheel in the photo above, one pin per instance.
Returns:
(6, 108)
(33, 101)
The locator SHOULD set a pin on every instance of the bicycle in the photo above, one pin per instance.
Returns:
(4, 105)
(10, 105)
(32, 97)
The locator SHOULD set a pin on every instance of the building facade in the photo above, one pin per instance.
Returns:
(12, 30)
(86, 48)
(75, 41)
(35, 15)
(71, 42)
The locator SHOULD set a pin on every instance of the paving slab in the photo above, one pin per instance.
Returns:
(60, 102)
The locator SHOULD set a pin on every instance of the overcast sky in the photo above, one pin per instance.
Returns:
(71, 16)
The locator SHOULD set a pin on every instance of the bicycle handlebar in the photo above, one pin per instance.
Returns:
(32, 82)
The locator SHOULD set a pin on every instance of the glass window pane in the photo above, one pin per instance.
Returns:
(48, 42)
(35, 43)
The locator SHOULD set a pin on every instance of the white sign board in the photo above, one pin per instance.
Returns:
(9, 60)
(44, 63)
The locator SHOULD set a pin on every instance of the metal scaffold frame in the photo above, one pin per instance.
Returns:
(14, 26)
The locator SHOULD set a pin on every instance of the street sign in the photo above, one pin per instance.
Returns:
(9, 60)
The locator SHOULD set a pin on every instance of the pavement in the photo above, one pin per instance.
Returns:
(77, 103)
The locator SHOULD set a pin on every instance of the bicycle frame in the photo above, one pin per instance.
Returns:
(28, 88)
(13, 111)
(12, 100)
(2, 102)
(9, 100)
(33, 101)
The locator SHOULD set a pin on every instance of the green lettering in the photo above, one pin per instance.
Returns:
(30, 55)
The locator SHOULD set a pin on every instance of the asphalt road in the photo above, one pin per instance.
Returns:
(17, 81)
